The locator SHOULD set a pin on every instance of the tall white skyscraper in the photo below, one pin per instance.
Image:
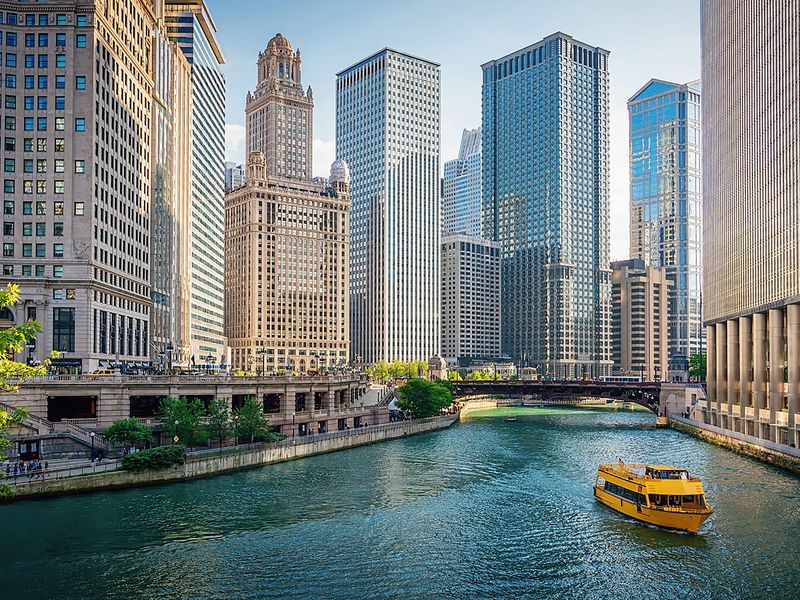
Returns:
(388, 131)
(461, 188)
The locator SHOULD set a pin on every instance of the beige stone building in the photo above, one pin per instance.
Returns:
(287, 239)
(751, 215)
(78, 114)
(639, 319)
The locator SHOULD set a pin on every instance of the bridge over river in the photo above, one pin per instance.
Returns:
(644, 393)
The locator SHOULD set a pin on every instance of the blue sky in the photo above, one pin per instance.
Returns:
(647, 39)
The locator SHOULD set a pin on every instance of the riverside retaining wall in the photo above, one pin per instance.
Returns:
(764, 450)
(213, 463)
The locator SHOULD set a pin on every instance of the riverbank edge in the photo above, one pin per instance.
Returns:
(216, 464)
(752, 450)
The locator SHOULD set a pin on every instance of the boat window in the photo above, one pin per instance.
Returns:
(622, 492)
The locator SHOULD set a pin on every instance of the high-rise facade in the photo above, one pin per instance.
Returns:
(461, 188)
(388, 131)
(545, 146)
(190, 26)
(234, 176)
(639, 319)
(470, 298)
(666, 203)
(77, 177)
(287, 246)
(751, 211)
(280, 113)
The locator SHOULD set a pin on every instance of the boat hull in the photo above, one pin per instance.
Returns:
(680, 521)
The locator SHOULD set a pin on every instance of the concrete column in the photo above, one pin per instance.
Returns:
(759, 365)
(793, 362)
(745, 366)
(722, 364)
(711, 368)
(732, 364)
(775, 367)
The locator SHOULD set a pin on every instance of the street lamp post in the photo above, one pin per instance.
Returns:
(91, 435)
(294, 429)
(175, 439)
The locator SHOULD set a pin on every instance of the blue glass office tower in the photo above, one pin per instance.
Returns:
(666, 202)
(461, 188)
(545, 199)
(191, 27)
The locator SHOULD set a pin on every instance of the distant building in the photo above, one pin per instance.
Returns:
(751, 212)
(190, 26)
(666, 200)
(461, 188)
(470, 300)
(234, 176)
(287, 244)
(388, 130)
(545, 155)
(639, 319)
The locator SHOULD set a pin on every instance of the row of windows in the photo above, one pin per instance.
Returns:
(32, 62)
(27, 229)
(10, 124)
(28, 270)
(27, 250)
(42, 40)
(40, 19)
(9, 207)
(41, 82)
(9, 165)
(36, 102)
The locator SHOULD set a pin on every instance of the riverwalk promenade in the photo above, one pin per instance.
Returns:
(108, 474)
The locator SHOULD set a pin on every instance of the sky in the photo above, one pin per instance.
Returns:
(656, 39)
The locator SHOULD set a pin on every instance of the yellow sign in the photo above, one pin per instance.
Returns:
(175, 440)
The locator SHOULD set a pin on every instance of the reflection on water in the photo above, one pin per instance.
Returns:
(489, 508)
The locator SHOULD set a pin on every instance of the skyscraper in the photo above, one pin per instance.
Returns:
(751, 211)
(545, 199)
(470, 298)
(461, 188)
(639, 319)
(666, 220)
(287, 245)
(191, 27)
(280, 113)
(234, 176)
(388, 131)
(78, 158)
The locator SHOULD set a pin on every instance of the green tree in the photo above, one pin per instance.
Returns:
(423, 398)
(482, 375)
(181, 417)
(379, 371)
(454, 376)
(13, 340)
(219, 420)
(697, 366)
(7, 423)
(250, 421)
(129, 432)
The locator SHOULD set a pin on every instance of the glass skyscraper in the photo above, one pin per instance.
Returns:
(666, 207)
(545, 199)
(461, 188)
(191, 27)
(388, 131)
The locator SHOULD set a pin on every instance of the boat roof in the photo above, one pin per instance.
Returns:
(639, 465)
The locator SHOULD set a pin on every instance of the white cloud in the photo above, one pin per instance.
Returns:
(324, 153)
(234, 142)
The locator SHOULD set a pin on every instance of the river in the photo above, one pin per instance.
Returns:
(485, 509)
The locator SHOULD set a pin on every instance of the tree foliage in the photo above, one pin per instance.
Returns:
(454, 376)
(398, 369)
(219, 420)
(159, 457)
(423, 398)
(482, 375)
(13, 340)
(697, 366)
(250, 421)
(128, 432)
(7, 423)
(181, 417)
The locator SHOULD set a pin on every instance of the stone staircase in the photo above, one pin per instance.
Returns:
(42, 426)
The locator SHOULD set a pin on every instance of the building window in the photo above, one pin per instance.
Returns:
(64, 329)
(8, 250)
(80, 166)
(80, 82)
(40, 251)
(8, 207)
(58, 271)
(79, 209)
(80, 124)
(61, 61)
(58, 250)
(58, 207)
(80, 40)
(61, 39)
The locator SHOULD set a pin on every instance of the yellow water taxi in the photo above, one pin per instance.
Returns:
(660, 495)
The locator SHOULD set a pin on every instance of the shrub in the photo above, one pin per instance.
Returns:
(6, 491)
(155, 458)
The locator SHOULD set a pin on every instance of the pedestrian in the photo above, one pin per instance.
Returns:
(16, 470)
(8, 470)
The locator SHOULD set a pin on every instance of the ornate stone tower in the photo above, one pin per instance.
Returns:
(280, 113)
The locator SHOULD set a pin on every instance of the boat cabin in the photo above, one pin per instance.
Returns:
(665, 473)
